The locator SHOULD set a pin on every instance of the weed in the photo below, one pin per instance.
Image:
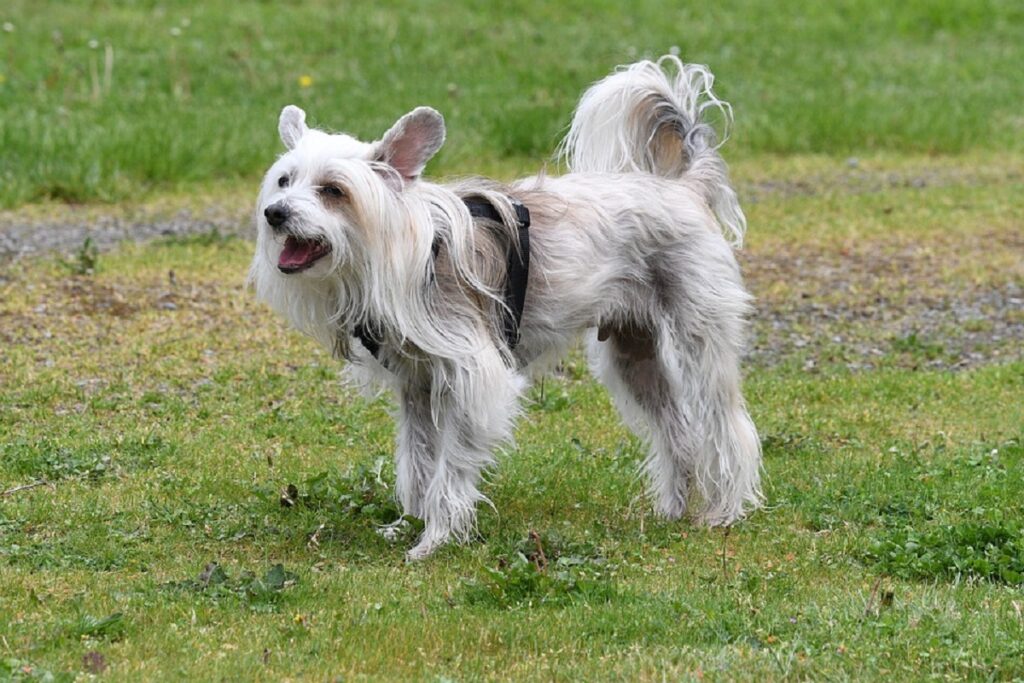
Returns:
(259, 593)
(361, 492)
(953, 552)
(84, 260)
(50, 460)
(13, 670)
(916, 347)
(110, 627)
(543, 571)
(550, 399)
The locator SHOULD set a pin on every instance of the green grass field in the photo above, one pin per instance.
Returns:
(168, 417)
(187, 491)
(110, 100)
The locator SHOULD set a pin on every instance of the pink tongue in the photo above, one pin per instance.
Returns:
(296, 252)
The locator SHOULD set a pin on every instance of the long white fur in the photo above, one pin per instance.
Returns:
(627, 249)
(616, 119)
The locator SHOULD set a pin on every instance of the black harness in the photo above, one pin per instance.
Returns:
(517, 274)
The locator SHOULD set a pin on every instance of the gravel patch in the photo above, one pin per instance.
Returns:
(909, 304)
(21, 237)
(976, 327)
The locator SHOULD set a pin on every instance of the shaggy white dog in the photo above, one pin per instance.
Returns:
(450, 294)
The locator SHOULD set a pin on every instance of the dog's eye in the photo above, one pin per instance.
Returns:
(332, 191)
(282, 181)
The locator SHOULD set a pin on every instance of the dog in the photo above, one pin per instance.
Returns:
(453, 295)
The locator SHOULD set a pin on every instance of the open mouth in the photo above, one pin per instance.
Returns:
(299, 254)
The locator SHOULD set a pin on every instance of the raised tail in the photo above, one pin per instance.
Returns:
(648, 117)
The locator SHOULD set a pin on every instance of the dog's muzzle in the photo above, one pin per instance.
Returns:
(297, 253)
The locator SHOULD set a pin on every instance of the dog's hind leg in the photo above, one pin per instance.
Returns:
(678, 379)
(700, 344)
(475, 407)
(625, 357)
(726, 467)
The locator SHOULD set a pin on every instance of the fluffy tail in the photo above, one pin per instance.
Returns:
(648, 117)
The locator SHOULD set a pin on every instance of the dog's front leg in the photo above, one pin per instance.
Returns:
(415, 448)
(475, 413)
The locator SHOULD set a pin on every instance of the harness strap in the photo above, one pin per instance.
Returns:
(517, 274)
(518, 267)
(367, 340)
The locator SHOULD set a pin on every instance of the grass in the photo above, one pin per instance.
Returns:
(109, 101)
(187, 491)
(207, 495)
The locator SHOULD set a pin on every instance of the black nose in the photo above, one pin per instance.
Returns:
(277, 214)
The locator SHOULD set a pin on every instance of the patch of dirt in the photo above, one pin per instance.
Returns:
(912, 304)
(89, 298)
(973, 328)
(89, 306)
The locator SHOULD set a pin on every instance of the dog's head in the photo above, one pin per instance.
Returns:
(331, 200)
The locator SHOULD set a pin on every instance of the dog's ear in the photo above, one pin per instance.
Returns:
(411, 142)
(292, 125)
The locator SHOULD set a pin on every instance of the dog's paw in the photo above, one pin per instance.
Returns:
(419, 553)
(424, 549)
(395, 531)
(671, 508)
